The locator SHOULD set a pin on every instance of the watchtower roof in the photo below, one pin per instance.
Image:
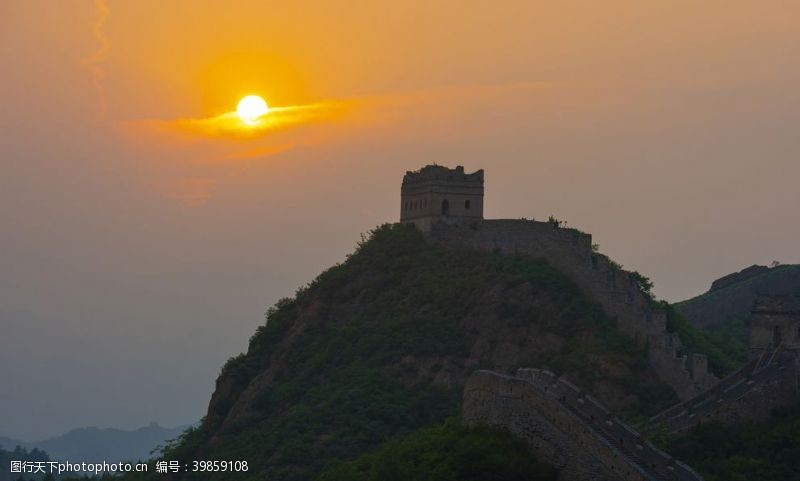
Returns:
(435, 172)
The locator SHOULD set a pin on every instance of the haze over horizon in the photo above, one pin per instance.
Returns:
(141, 244)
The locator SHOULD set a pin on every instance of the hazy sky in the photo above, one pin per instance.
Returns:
(140, 244)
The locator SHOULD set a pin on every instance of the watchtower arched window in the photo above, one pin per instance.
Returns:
(466, 204)
(445, 207)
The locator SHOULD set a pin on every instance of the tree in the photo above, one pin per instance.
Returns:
(643, 283)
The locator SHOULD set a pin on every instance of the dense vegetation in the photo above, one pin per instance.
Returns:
(37, 455)
(446, 452)
(724, 356)
(378, 347)
(766, 451)
(19, 454)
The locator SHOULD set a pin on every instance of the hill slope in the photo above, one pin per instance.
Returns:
(725, 308)
(379, 347)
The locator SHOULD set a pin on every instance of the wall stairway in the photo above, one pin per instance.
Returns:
(756, 374)
(515, 402)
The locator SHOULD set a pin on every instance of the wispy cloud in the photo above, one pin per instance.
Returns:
(94, 61)
(229, 125)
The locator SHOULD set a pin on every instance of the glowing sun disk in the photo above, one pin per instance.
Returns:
(251, 108)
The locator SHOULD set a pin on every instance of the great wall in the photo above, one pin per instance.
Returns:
(563, 425)
(770, 379)
(584, 440)
(559, 421)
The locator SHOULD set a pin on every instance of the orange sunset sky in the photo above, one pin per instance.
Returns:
(143, 238)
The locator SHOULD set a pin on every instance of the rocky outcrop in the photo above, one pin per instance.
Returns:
(736, 277)
(568, 428)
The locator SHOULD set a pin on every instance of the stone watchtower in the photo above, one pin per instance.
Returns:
(436, 193)
(775, 322)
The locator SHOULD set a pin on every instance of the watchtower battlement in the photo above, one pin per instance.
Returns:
(436, 193)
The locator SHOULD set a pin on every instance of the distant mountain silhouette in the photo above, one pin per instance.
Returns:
(10, 443)
(93, 444)
(732, 296)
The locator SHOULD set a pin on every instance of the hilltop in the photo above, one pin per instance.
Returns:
(379, 347)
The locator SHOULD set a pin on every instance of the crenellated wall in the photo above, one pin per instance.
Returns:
(615, 289)
(567, 428)
(770, 379)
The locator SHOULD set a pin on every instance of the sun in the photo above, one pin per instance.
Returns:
(251, 108)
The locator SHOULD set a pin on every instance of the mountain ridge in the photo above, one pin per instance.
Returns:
(92, 444)
(380, 346)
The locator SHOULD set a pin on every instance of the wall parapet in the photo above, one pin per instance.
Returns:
(568, 427)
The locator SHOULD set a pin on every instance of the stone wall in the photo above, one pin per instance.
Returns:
(615, 289)
(567, 428)
(748, 394)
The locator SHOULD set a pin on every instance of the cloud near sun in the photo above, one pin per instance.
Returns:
(232, 125)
